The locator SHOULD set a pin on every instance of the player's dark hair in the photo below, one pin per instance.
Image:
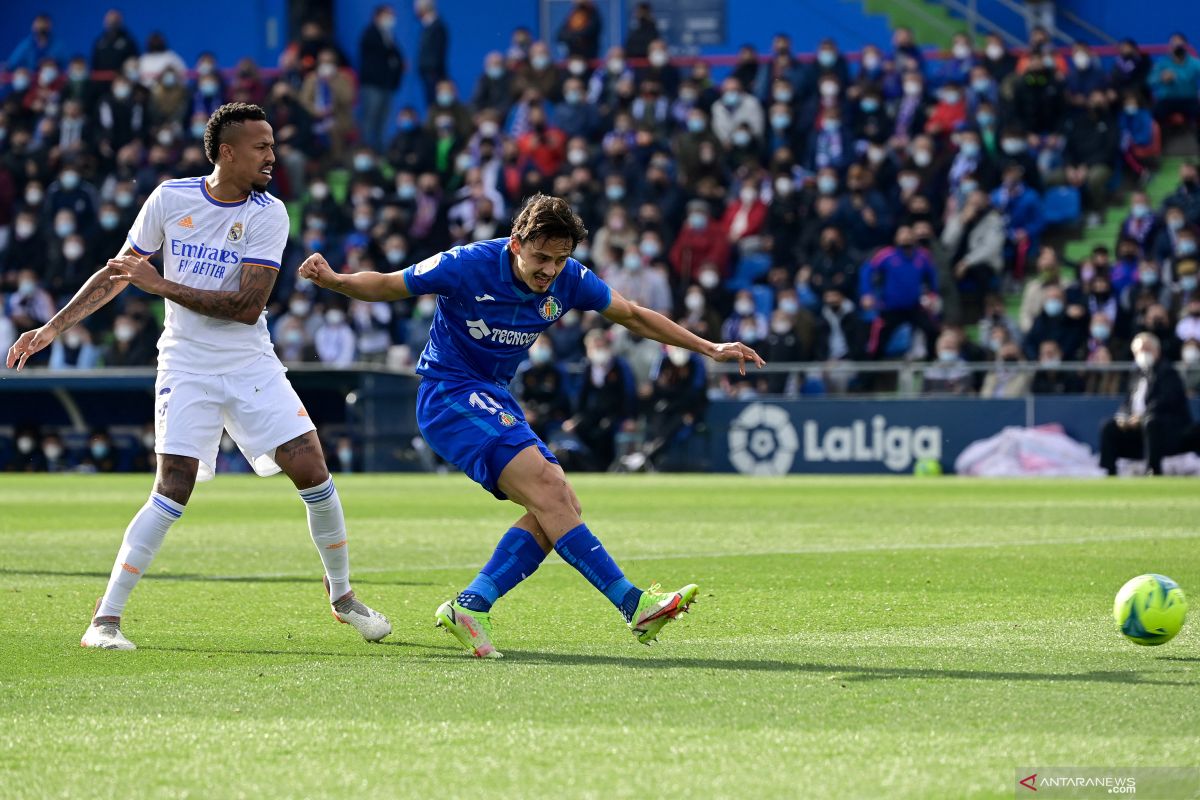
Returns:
(228, 116)
(547, 217)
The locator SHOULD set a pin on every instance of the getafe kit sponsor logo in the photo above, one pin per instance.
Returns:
(481, 330)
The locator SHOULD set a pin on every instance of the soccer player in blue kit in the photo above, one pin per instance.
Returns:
(495, 298)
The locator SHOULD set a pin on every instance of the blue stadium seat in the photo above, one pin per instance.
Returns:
(1061, 204)
(749, 269)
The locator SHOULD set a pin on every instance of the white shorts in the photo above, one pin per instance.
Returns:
(257, 405)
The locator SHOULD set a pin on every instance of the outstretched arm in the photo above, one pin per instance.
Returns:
(652, 325)
(359, 285)
(245, 305)
(99, 289)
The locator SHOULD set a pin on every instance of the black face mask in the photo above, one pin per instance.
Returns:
(1179, 51)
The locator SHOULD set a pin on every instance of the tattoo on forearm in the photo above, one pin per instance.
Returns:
(244, 305)
(95, 293)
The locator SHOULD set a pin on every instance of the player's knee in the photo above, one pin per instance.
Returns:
(552, 491)
(176, 477)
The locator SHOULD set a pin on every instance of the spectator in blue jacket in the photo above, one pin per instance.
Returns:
(1023, 217)
(1176, 83)
(1137, 132)
(1085, 76)
(897, 285)
(39, 45)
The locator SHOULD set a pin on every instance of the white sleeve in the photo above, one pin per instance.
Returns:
(146, 235)
(267, 237)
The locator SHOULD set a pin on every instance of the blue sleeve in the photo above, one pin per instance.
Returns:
(592, 293)
(439, 274)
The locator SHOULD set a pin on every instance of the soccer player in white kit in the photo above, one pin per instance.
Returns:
(222, 239)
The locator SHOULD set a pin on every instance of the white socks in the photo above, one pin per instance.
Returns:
(143, 537)
(328, 528)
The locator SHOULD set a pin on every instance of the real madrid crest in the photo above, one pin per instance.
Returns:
(550, 308)
(235, 233)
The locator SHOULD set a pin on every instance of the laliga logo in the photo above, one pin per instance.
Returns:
(897, 447)
(763, 441)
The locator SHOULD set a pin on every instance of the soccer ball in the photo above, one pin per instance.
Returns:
(927, 468)
(1150, 609)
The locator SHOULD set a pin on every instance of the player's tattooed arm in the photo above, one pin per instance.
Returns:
(99, 289)
(245, 305)
(370, 286)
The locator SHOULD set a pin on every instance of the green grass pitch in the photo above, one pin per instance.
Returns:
(853, 638)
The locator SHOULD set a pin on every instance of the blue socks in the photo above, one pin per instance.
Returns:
(517, 556)
(583, 551)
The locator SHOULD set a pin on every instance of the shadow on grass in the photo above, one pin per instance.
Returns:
(849, 673)
(184, 576)
(370, 653)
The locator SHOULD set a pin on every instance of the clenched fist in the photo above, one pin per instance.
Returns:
(316, 269)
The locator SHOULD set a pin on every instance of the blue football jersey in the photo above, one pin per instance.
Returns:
(486, 319)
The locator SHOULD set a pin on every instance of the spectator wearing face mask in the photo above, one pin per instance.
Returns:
(1006, 379)
(122, 115)
(100, 456)
(700, 241)
(1024, 218)
(1142, 225)
(372, 324)
(785, 345)
(114, 45)
(607, 400)
(949, 375)
(1187, 194)
(1050, 377)
(1039, 96)
(54, 454)
(698, 315)
(26, 456)
(128, 348)
(1154, 421)
(327, 94)
(335, 340)
(575, 116)
(746, 323)
(542, 390)
(380, 73)
(974, 242)
(1186, 288)
(950, 111)
(1104, 335)
(26, 246)
(677, 404)
(744, 218)
(1093, 139)
(1189, 363)
(896, 285)
(735, 109)
(494, 87)
(411, 147)
(1175, 83)
(1055, 324)
(829, 145)
(30, 306)
(69, 267)
(71, 193)
(41, 44)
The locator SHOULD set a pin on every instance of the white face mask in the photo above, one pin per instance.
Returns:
(334, 317)
(124, 333)
(25, 444)
(426, 308)
(1191, 355)
(694, 302)
(52, 451)
(709, 279)
(744, 307)
(678, 356)
(1144, 360)
(300, 308)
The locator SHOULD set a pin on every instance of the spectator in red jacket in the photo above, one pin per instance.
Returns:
(543, 145)
(700, 241)
(950, 111)
(745, 217)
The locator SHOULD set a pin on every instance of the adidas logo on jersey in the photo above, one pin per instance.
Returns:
(186, 222)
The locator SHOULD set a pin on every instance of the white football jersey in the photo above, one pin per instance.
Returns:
(206, 243)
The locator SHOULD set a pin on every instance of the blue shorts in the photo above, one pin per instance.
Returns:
(476, 426)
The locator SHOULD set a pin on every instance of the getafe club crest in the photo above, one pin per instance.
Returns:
(507, 419)
(235, 233)
(550, 308)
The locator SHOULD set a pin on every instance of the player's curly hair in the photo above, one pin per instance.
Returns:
(222, 119)
(546, 217)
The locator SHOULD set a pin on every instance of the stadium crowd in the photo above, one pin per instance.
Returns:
(825, 209)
